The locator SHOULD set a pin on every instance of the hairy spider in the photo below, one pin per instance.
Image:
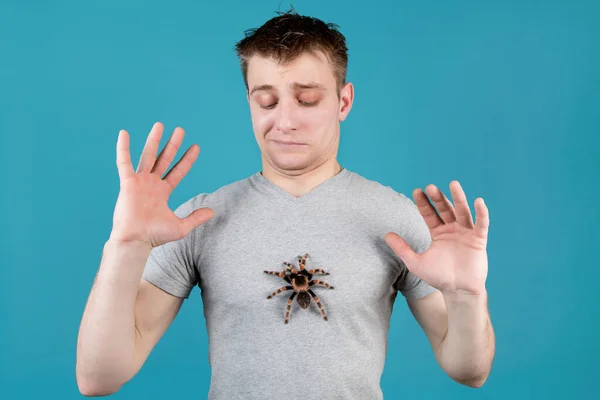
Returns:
(300, 282)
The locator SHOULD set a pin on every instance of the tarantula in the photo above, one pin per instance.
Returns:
(300, 282)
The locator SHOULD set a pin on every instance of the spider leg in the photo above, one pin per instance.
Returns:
(288, 309)
(280, 274)
(290, 267)
(318, 271)
(281, 289)
(321, 308)
(320, 283)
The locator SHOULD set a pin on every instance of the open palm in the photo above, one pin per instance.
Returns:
(456, 260)
(142, 212)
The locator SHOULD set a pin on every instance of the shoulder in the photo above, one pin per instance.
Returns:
(384, 201)
(380, 202)
(377, 192)
(223, 197)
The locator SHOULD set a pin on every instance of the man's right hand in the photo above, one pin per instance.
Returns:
(142, 213)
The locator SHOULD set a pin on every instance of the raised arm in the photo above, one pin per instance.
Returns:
(455, 318)
(125, 316)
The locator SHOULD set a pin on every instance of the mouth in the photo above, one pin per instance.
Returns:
(288, 144)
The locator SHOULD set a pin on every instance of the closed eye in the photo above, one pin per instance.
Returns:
(269, 106)
(303, 103)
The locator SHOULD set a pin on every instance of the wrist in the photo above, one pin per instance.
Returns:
(117, 244)
(123, 261)
(464, 296)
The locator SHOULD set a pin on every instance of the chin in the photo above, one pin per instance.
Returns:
(288, 162)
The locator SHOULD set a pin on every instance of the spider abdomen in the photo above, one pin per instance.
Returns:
(303, 300)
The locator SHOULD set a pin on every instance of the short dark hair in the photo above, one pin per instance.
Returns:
(288, 35)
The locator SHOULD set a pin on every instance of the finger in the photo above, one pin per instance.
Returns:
(430, 215)
(443, 205)
(196, 218)
(409, 257)
(482, 221)
(166, 156)
(461, 206)
(148, 156)
(124, 165)
(176, 174)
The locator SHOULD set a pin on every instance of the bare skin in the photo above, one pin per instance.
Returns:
(125, 316)
(296, 110)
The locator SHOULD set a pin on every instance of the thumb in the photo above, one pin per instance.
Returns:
(196, 218)
(403, 250)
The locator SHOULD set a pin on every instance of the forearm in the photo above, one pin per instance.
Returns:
(107, 337)
(467, 350)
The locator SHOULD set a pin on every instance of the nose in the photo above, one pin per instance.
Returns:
(286, 117)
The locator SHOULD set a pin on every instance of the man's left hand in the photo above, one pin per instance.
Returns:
(456, 261)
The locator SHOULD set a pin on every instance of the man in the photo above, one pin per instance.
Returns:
(299, 265)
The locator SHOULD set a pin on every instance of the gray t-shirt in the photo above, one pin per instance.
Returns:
(257, 227)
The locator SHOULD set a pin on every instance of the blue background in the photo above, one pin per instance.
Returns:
(502, 95)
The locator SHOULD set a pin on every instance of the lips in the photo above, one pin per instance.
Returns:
(285, 143)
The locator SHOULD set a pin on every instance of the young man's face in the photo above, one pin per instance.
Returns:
(296, 112)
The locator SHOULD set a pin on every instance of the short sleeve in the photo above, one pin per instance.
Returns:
(171, 266)
(414, 230)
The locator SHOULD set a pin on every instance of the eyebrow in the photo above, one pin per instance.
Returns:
(295, 85)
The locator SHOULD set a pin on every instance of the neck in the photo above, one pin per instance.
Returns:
(298, 183)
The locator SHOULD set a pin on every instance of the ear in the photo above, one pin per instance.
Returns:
(346, 100)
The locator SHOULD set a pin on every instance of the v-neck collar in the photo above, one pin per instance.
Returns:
(260, 180)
